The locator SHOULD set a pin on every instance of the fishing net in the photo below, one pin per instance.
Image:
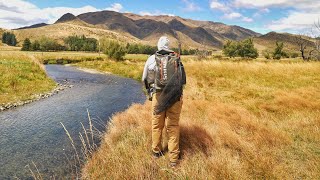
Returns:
(170, 94)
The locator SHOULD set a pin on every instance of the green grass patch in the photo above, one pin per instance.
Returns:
(21, 77)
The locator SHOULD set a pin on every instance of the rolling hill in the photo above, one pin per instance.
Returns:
(133, 28)
(268, 41)
(129, 27)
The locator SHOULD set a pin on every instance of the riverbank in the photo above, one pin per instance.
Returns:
(240, 120)
(22, 78)
(32, 137)
(35, 97)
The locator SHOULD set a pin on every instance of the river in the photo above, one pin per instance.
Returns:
(33, 133)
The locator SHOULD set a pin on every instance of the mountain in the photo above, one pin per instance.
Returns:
(66, 17)
(133, 28)
(34, 26)
(191, 33)
(216, 29)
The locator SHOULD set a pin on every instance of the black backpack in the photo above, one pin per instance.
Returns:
(167, 64)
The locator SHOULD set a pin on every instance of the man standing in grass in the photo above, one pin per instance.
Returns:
(164, 78)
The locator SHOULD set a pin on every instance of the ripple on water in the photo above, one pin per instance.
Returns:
(34, 133)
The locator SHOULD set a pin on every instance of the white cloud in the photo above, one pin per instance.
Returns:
(154, 13)
(300, 19)
(302, 14)
(232, 15)
(259, 3)
(18, 13)
(247, 19)
(295, 21)
(228, 12)
(217, 5)
(310, 5)
(260, 12)
(17, 6)
(190, 6)
(117, 7)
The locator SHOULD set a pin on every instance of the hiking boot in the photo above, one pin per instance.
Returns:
(157, 155)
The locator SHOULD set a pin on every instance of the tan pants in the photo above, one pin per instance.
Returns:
(172, 128)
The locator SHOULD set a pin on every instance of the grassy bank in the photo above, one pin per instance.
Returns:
(239, 120)
(130, 68)
(21, 76)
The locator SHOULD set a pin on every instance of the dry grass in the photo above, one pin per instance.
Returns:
(240, 120)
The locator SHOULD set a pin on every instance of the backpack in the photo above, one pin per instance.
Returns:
(167, 64)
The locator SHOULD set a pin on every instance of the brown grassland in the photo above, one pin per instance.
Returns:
(240, 120)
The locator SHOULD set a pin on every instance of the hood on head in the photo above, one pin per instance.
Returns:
(163, 43)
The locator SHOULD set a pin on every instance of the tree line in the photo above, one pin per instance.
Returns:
(44, 44)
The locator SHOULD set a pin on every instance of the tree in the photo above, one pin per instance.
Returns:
(302, 44)
(246, 49)
(113, 49)
(316, 50)
(230, 49)
(278, 51)
(81, 43)
(48, 44)
(266, 54)
(26, 46)
(35, 45)
(243, 48)
(9, 39)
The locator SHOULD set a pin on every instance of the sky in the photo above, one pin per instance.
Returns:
(263, 16)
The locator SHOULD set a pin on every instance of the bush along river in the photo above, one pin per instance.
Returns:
(32, 137)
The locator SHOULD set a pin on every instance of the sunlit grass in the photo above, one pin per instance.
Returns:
(21, 76)
(240, 120)
(255, 119)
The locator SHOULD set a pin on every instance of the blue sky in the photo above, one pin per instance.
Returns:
(294, 16)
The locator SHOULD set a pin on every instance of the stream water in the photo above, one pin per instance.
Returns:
(32, 134)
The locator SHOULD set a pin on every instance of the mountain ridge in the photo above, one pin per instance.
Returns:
(128, 27)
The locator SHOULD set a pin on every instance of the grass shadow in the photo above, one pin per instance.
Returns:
(195, 139)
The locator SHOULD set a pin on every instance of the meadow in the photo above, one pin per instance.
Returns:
(240, 120)
(255, 119)
(21, 76)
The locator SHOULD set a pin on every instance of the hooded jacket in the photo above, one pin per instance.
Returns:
(163, 45)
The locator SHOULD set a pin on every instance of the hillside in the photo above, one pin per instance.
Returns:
(269, 40)
(59, 31)
(216, 29)
(142, 29)
(33, 26)
(203, 33)
(128, 27)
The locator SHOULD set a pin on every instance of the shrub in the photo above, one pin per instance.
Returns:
(26, 46)
(243, 48)
(278, 51)
(140, 49)
(230, 48)
(247, 50)
(294, 55)
(266, 54)
(113, 49)
(47, 44)
(35, 45)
